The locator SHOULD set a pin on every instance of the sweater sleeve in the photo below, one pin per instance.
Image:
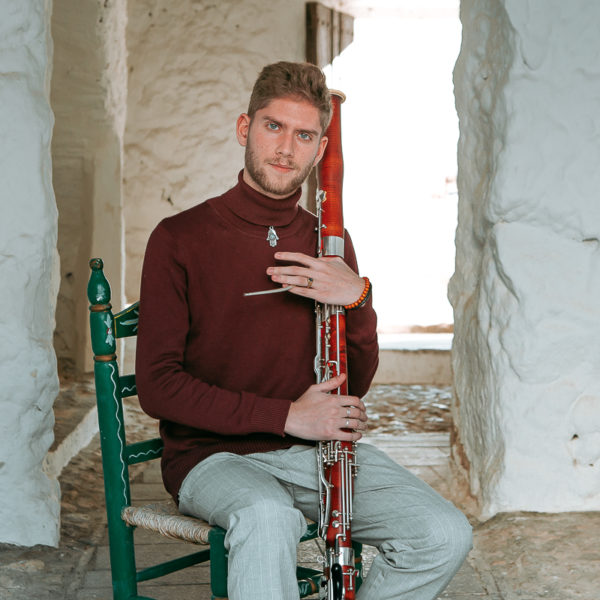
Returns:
(166, 391)
(361, 337)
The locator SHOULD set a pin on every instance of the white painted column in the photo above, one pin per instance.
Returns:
(29, 511)
(526, 291)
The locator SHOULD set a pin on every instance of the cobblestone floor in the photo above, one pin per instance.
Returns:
(517, 556)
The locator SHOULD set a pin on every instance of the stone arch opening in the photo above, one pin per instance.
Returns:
(525, 290)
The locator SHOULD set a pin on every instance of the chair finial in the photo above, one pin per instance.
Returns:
(98, 290)
(96, 264)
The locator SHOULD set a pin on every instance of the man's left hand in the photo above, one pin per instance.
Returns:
(326, 279)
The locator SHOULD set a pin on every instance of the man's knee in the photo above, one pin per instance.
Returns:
(439, 542)
(458, 536)
(454, 539)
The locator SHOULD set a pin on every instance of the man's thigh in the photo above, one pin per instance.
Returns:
(225, 483)
(388, 499)
(391, 502)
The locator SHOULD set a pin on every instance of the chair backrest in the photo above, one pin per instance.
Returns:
(111, 388)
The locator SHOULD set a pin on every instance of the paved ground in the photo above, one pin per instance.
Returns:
(518, 556)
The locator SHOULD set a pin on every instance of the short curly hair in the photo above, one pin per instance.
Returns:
(303, 81)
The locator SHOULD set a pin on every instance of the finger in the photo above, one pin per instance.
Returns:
(350, 401)
(357, 403)
(288, 271)
(354, 424)
(348, 436)
(332, 384)
(303, 280)
(303, 259)
(354, 412)
(298, 277)
(306, 292)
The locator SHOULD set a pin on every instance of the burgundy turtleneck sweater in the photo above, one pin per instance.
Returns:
(220, 369)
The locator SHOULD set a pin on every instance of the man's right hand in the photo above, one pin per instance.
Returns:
(318, 415)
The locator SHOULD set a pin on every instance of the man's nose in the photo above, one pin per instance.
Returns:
(286, 144)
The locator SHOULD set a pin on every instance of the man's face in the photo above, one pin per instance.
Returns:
(282, 143)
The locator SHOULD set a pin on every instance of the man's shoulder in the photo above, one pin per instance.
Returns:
(188, 220)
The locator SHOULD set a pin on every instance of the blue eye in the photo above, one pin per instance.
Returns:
(305, 136)
(273, 126)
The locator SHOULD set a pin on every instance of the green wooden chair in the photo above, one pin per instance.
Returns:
(117, 456)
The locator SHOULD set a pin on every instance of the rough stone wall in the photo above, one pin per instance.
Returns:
(191, 69)
(89, 88)
(29, 510)
(526, 353)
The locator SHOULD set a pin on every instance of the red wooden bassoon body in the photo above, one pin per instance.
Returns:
(336, 459)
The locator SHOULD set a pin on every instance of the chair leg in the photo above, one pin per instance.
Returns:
(122, 559)
(218, 564)
(358, 564)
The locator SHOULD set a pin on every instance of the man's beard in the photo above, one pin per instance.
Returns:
(271, 186)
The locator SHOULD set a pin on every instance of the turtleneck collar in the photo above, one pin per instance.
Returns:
(258, 209)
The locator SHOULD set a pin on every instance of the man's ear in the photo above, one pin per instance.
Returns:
(241, 129)
(322, 145)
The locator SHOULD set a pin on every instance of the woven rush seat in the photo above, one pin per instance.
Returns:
(165, 518)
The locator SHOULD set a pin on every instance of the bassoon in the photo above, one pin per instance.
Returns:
(336, 459)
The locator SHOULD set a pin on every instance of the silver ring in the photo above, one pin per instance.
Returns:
(309, 282)
(347, 423)
(347, 411)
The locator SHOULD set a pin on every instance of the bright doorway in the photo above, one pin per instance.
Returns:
(400, 133)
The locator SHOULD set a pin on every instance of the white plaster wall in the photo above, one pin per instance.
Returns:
(191, 69)
(526, 291)
(29, 511)
(89, 91)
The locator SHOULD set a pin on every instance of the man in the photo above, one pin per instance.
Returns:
(231, 376)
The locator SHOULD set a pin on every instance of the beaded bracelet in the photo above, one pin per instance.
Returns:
(363, 297)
